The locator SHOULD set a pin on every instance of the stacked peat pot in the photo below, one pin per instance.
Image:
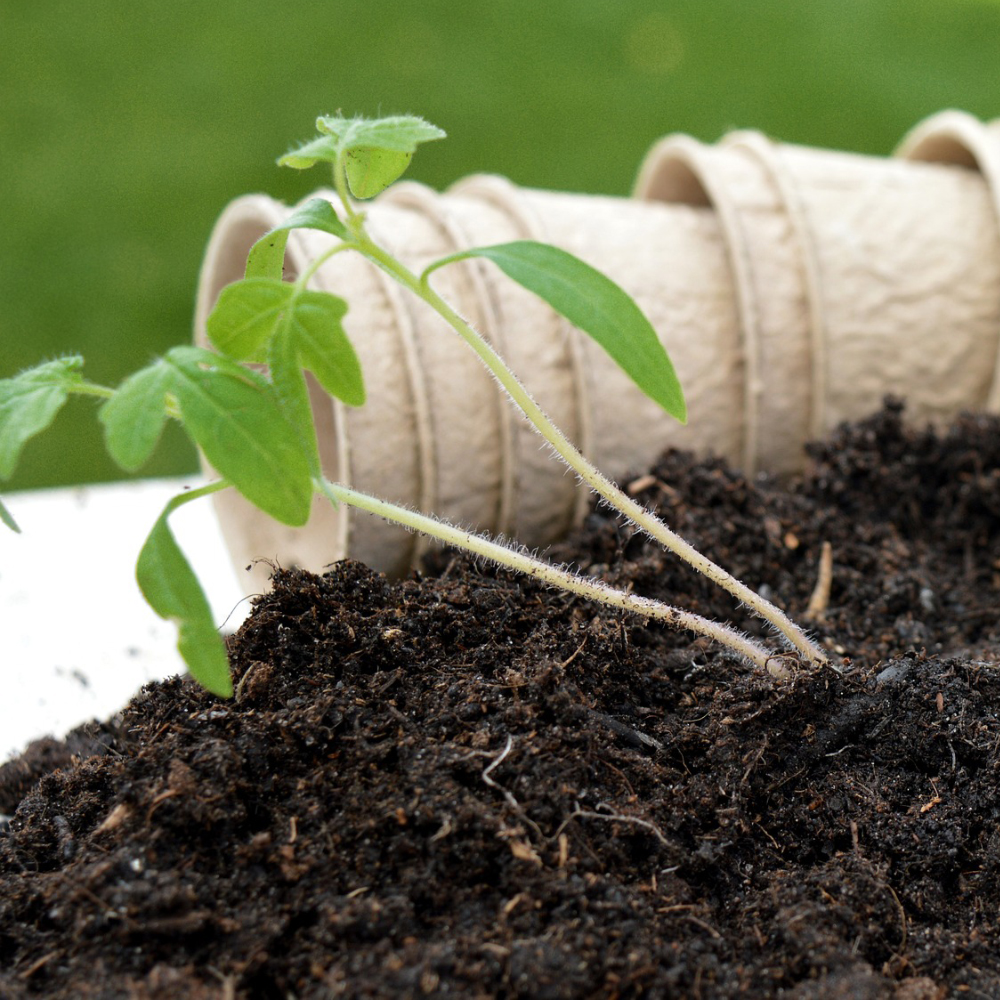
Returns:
(792, 287)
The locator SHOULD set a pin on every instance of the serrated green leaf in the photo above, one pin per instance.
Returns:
(324, 348)
(596, 305)
(245, 316)
(374, 152)
(30, 401)
(133, 418)
(292, 392)
(371, 170)
(267, 255)
(234, 418)
(249, 314)
(8, 518)
(399, 133)
(172, 590)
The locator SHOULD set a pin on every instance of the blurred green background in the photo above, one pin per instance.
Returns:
(125, 128)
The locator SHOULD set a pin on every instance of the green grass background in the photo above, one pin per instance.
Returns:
(126, 127)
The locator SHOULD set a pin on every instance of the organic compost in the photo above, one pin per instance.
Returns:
(464, 784)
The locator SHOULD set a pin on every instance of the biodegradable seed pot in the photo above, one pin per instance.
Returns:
(794, 288)
(436, 434)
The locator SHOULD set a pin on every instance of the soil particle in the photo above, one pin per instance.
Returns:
(465, 785)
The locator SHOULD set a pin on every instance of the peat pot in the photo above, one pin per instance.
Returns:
(792, 287)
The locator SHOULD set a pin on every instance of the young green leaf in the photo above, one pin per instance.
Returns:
(233, 417)
(289, 384)
(267, 255)
(320, 150)
(29, 403)
(398, 133)
(133, 418)
(170, 586)
(371, 170)
(8, 518)
(246, 315)
(596, 305)
(373, 152)
(324, 348)
(249, 314)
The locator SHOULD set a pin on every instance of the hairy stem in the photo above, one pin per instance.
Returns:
(645, 519)
(103, 392)
(520, 561)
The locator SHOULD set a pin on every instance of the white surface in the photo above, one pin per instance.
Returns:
(77, 638)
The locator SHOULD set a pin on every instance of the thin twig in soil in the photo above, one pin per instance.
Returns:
(614, 817)
(508, 797)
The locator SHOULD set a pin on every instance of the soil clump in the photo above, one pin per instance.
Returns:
(464, 784)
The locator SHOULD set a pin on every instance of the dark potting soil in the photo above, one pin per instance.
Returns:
(468, 785)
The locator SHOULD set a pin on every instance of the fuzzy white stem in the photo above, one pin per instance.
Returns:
(588, 587)
(645, 519)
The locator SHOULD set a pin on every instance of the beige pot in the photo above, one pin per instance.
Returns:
(954, 137)
(793, 288)
(435, 433)
(856, 277)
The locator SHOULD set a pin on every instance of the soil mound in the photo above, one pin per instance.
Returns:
(466, 785)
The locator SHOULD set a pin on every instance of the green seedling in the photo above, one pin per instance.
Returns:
(257, 429)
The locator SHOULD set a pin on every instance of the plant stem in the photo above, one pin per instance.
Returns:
(92, 389)
(354, 219)
(215, 486)
(103, 392)
(588, 587)
(590, 474)
(306, 276)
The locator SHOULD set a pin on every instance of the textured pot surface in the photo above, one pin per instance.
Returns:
(794, 288)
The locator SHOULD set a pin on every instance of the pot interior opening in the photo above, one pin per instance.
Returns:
(673, 181)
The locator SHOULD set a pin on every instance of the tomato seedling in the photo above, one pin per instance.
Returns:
(255, 425)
